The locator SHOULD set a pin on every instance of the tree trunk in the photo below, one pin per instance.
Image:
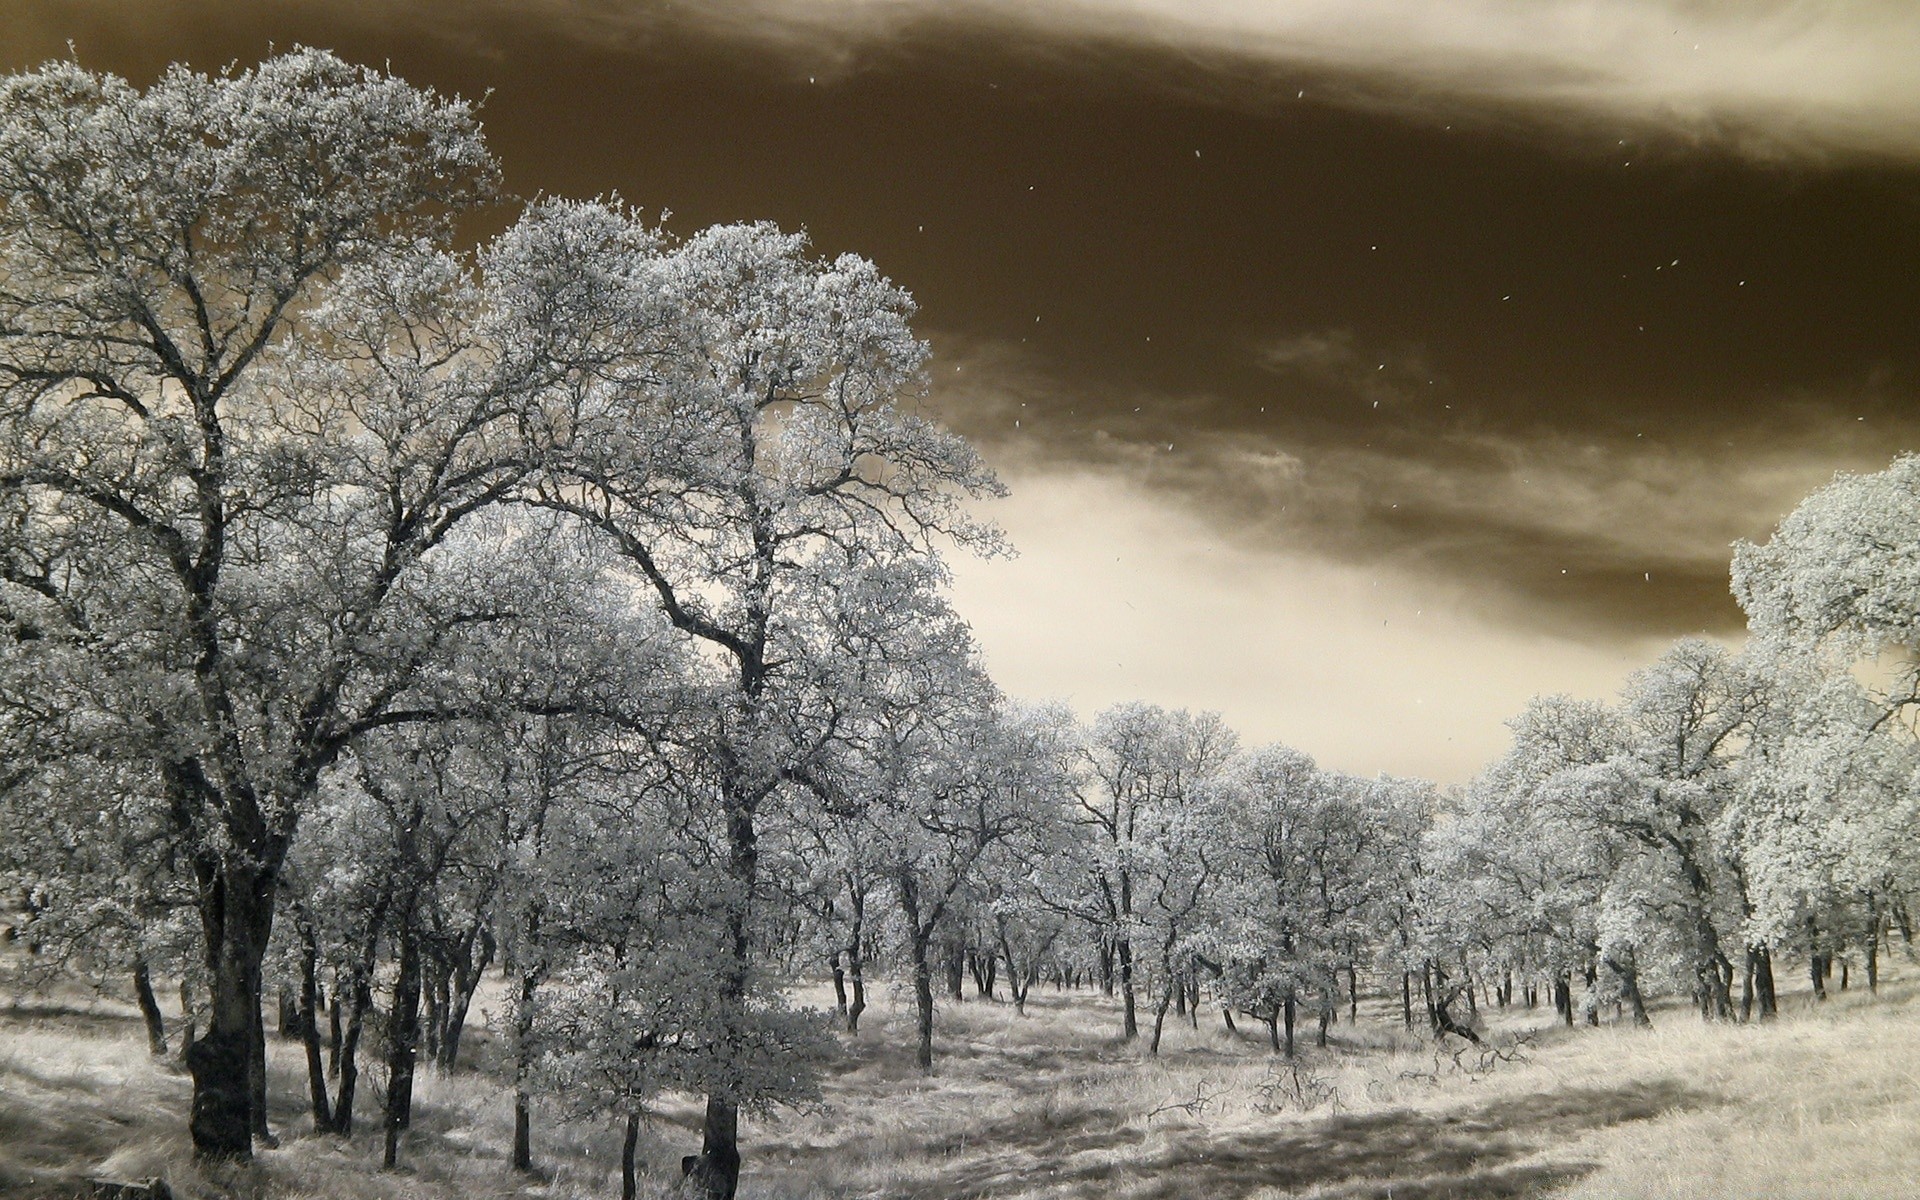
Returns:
(357, 1010)
(1628, 974)
(1130, 1023)
(1273, 1030)
(1288, 1009)
(333, 1030)
(856, 963)
(923, 1006)
(1873, 944)
(522, 1132)
(954, 962)
(467, 975)
(149, 1009)
(403, 1039)
(1160, 1017)
(716, 1169)
(839, 984)
(1563, 997)
(310, 1030)
(629, 1183)
(236, 911)
(1406, 999)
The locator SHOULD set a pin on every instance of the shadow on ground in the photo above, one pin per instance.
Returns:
(1469, 1152)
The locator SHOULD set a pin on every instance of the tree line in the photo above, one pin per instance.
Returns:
(379, 610)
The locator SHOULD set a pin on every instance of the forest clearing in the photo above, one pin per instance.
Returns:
(1820, 1103)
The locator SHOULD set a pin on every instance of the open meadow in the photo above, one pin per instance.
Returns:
(1821, 1103)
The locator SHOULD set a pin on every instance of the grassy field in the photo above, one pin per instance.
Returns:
(1823, 1103)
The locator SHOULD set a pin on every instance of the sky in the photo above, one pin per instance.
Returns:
(1360, 368)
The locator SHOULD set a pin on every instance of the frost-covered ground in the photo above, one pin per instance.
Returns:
(1824, 1103)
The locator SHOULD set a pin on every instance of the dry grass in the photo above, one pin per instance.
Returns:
(1823, 1103)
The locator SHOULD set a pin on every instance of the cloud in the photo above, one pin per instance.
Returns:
(1118, 595)
(1596, 533)
(1767, 77)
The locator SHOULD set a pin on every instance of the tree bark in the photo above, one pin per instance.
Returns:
(227, 1063)
(467, 974)
(629, 1183)
(1130, 1023)
(403, 1039)
(716, 1169)
(149, 1009)
(1628, 974)
(310, 1030)
(856, 965)
(1873, 944)
(1160, 1018)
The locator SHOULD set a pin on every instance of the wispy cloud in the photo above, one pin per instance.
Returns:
(1768, 77)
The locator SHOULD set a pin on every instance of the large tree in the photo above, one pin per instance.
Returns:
(239, 409)
(748, 446)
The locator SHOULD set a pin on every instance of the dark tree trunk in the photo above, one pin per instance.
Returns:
(1326, 1019)
(333, 1030)
(923, 1007)
(1627, 972)
(1226, 1014)
(522, 1132)
(1406, 999)
(1288, 1010)
(1353, 993)
(403, 1039)
(1563, 997)
(856, 963)
(1106, 968)
(467, 974)
(955, 965)
(1873, 944)
(1160, 1018)
(310, 1030)
(1019, 982)
(357, 1010)
(1763, 983)
(716, 1169)
(149, 1009)
(1130, 1022)
(228, 1063)
(629, 1181)
(839, 984)
(1273, 1030)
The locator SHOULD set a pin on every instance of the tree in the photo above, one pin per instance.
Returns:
(744, 457)
(219, 548)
